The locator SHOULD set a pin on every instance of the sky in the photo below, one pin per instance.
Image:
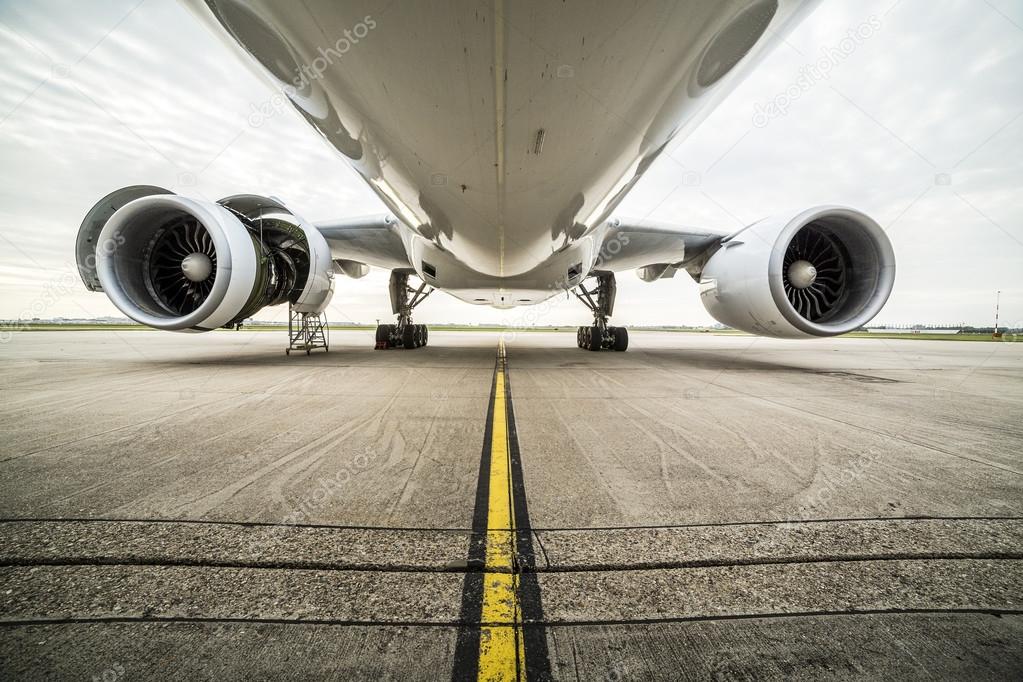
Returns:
(919, 124)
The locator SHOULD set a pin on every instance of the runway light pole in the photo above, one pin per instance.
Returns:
(998, 300)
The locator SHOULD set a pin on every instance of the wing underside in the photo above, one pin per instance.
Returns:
(654, 248)
(375, 240)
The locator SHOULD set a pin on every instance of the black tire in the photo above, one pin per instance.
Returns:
(579, 337)
(408, 336)
(621, 338)
(594, 339)
(426, 334)
(383, 334)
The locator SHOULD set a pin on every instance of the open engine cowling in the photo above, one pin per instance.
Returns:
(827, 271)
(180, 264)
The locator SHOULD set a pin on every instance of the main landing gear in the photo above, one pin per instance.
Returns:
(600, 336)
(403, 300)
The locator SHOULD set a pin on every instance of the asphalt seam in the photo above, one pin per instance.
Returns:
(526, 624)
(779, 522)
(523, 568)
(543, 550)
(470, 531)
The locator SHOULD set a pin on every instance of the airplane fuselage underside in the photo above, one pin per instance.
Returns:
(503, 134)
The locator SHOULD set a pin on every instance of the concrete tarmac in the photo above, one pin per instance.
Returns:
(203, 506)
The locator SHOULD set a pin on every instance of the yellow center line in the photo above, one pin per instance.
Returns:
(502, 654)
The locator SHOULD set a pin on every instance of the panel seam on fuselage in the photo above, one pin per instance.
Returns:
(499, 111)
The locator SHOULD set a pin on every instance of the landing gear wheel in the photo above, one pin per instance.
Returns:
(408, 336)
(621, 335)
(404, 299)
(600, 300)
(383, 338)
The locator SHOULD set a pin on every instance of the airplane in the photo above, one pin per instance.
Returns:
(501, 135)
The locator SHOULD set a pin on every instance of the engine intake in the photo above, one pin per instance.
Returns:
(179, 264)
(827, 271)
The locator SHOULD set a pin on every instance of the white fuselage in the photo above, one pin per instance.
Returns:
(504, 133)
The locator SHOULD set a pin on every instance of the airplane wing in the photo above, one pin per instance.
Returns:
(655, 248)
(378, 240)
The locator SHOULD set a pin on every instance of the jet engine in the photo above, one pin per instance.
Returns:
(828, 270)
(181, 264)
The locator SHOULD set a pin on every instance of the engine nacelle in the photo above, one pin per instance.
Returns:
(827, 271)
(181, 264)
